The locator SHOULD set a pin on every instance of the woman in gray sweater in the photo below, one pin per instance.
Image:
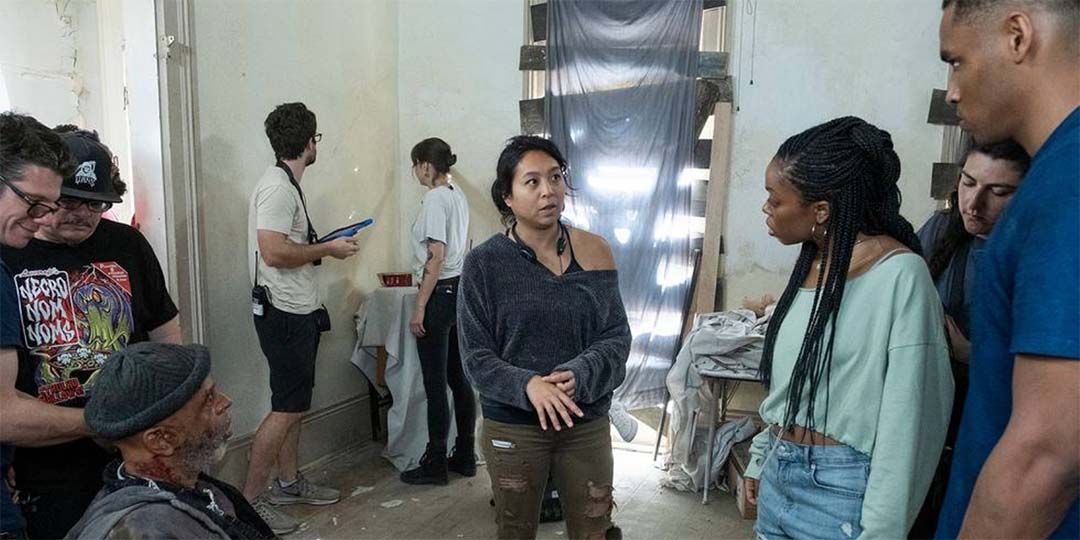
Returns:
(544, 339)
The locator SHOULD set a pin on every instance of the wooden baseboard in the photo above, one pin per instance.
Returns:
(325, 434)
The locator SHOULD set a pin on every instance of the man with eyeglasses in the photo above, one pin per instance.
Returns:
(87, 287)
(32, 163)
(282, 254)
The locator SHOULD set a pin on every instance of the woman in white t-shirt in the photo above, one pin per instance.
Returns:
(439, 240)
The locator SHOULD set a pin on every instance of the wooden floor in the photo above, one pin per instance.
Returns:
(461, 509)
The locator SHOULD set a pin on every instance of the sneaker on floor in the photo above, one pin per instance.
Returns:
(624, 423)
(302, 491)
(278, 521)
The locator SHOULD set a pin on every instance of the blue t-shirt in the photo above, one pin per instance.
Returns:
(10, 336)
(1027, 302)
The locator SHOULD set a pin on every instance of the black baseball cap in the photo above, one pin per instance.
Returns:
(94, 169)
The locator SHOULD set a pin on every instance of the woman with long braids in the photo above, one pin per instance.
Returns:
(855, 358)
(989, 176)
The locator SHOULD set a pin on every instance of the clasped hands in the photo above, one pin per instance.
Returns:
(553, 398)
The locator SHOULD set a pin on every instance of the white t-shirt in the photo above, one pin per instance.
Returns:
(444, 216)
(276, 206)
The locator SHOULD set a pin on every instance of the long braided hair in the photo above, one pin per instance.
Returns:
(850, 164)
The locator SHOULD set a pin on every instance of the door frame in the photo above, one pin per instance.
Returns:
(176, 86)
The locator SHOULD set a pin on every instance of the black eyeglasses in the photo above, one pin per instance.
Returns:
(317, 137)
(72, 203)
(36, 209)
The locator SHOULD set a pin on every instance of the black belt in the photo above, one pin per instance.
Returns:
(447, 286)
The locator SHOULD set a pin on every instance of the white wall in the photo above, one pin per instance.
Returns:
(49, 65)
(811, 62)
(458, 80)
(340, 58)
(144, 125)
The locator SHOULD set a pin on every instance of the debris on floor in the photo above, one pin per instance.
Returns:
(393, 503)
(361, 489)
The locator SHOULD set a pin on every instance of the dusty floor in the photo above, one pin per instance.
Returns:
(377, 505)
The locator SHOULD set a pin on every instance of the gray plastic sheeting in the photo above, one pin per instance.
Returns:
(620, 104)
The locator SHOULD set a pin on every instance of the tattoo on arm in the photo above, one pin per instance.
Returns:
(430, 256)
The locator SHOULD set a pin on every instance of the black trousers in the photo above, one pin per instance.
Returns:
(51, 512)
(440, 365)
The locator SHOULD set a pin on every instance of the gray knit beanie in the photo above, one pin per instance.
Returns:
(144, 384)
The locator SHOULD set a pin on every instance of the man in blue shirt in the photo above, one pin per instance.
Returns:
(32, 162)
(1016, 471)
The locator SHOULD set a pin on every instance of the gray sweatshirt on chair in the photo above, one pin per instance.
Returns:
(516, 319)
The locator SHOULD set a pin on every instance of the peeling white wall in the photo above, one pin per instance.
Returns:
(340, 58)
(458, 80)
(49, 66)
(811, 62)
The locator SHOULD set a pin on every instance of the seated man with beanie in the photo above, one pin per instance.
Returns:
(158, 404)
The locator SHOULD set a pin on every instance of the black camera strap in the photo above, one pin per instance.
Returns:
(312, 236)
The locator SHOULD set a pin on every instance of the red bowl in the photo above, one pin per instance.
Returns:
(396, 279)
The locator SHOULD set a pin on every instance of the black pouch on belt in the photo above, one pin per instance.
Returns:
(322, 319)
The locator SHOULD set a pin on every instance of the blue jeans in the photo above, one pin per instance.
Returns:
(811, 491)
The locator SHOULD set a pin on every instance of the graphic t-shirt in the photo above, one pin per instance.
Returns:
(10, 337)
(77, 305)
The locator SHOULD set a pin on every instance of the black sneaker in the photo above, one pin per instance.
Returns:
(432, 469)
(462, 462)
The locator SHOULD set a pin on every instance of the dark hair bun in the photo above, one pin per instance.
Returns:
(878, 146)
(435, 151)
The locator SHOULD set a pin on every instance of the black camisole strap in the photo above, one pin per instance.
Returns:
(574, 266)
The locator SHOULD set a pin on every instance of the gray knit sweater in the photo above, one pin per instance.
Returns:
(516, 319)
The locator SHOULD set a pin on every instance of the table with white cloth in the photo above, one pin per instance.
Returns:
(383, 322)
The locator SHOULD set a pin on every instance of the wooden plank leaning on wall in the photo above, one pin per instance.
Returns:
(708, 295)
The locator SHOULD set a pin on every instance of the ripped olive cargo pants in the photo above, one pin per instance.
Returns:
(519, 458)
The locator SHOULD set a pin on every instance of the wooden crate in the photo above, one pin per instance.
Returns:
(736, 466)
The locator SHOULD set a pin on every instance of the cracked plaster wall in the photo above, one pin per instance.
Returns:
(49, 60)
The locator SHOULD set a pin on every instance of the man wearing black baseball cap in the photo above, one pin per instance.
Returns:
(87, 288)
(158, 403)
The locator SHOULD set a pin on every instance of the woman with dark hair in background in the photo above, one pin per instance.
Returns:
(989, 176)
(440, 240)
(545, 339)
(950, 239)
(855, 358)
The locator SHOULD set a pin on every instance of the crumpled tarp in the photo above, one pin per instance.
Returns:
(725, 344)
